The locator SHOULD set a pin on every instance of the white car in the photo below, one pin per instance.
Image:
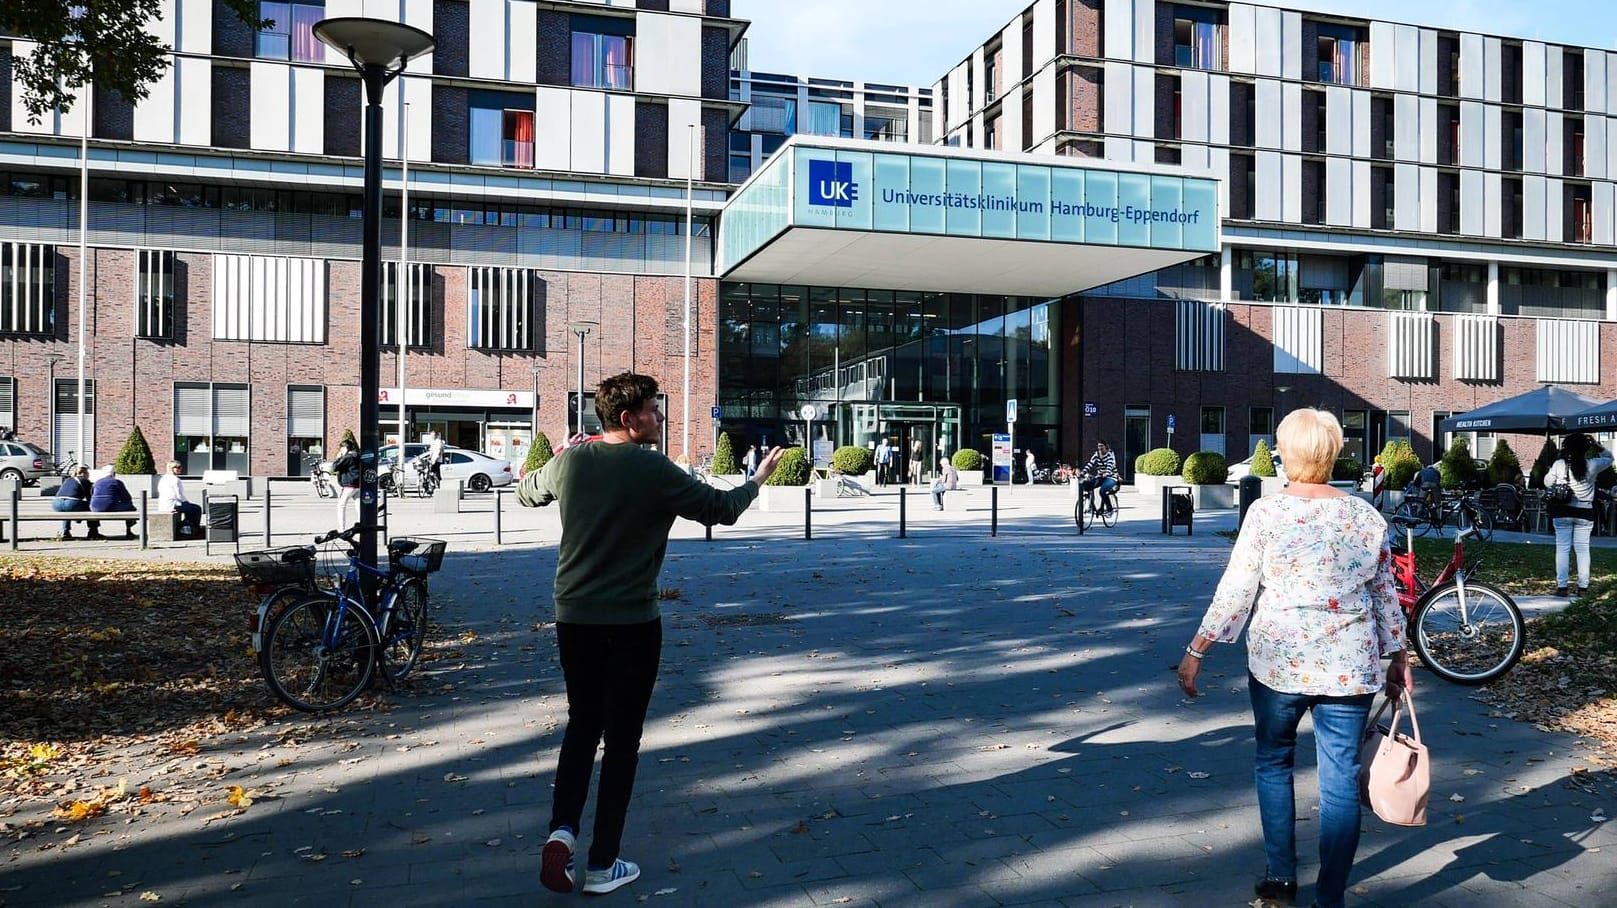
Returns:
(1238, 470)
(480, 472)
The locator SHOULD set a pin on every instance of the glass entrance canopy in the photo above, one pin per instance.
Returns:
(834, 212)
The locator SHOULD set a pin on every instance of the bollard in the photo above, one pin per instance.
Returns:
(901, 528)
(808, 512)
(993, 511)
(267, 534)
(143, 495)
(16, 496)
(497, 496)
(1250, 489)
(709, 528)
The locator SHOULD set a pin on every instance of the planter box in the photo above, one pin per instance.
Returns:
(726, 480)
(1391, 500)
(139, 482)
(970, 478)
(1272, 485)
(1151, 486)
(825, 489)
(1210, 497)
(782, 499)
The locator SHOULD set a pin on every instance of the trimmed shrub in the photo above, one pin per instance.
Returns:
(1400, 466)
(1459, 469)
(968, 459)
(793, 470)
(135, 458)
(1158, 462)
(1547, 456)
(852, 460)
(1347, 468)
(1206, 468)
(539, 454)
(1263, 460)
(724, 457)
(1503, 465)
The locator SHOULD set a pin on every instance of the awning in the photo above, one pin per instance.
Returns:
(1542, 410)
(1595, 419)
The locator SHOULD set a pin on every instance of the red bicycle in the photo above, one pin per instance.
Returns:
(1463, 630)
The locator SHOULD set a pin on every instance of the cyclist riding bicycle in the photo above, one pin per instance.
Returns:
(1101, 471)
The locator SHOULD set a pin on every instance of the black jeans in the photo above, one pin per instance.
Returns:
(610, 670)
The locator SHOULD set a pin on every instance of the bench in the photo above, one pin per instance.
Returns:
(963, 499)
(13, 519)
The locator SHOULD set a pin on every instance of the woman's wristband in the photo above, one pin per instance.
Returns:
(1191, 652)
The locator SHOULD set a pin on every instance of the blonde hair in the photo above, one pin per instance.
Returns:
(1309, 441)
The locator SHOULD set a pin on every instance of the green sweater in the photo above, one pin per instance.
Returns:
(618, 502)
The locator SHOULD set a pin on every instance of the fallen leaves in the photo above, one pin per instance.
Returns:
(78, 810)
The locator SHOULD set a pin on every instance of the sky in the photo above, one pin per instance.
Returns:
(914, 42)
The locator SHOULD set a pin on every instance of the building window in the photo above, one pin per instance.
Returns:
(8, 404)
(773, 115)
(305, 428)
(154, 293)
(290, 35)
(212, 426)
(825, 118)
(27, 288)
(601, 52)
(502, 137)
(1342, 49)
(499, 309)
(1212, 434)
(887, 124)
(269, 298)
(1197, 39)
(417, 304)
(1270, 277)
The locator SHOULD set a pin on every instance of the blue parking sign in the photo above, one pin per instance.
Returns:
(716, 412)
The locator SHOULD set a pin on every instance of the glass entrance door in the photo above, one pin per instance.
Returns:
(1136, 439)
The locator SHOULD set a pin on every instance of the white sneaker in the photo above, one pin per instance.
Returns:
(556, 862)
(621, 873)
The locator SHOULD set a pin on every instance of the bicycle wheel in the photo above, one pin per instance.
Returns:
(270, 608)
(318, 656)
(1108, 511)
(1473, 647)
(1083, 514)
(1483, 521)
(404, 628)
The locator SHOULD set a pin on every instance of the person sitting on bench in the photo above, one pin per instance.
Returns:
(74, 495)
(109, 494)
(171, 499)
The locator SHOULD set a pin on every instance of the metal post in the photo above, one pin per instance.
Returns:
(497, 496)
(993, 506)
(370, 279)
(16, 528)
(267, 511)
(808, 512)
(690, 204)
(84, 260)
(401, 309)
(901, 511)
(143, 512)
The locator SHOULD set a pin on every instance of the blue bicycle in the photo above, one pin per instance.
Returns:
(323, 650)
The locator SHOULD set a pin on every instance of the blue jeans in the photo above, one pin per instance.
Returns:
(73, 504)
(1338, 725)
(1572, 535)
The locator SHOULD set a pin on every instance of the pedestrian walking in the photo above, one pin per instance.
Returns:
(884, 462)
(917, 461)
(1574, 518)
(346, 468)
(617, 502)
(1326, 616)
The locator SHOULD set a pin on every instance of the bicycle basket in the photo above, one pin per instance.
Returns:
(415, 555)
(288, 566)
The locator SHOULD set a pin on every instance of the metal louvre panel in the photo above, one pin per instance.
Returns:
(1322, 271)
(1409, 345)
(8, 403)
(1199, 336)
(1568, 351)
(1476, 348)
(27, 297)
(264, 298)
(154, 293)
(1404, 274)
(232, 411)
(1299, 339)
(499, 308)
(306, 412)
(193, 410)
(66, 437)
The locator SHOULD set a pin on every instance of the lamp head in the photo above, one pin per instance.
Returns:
(374, 42)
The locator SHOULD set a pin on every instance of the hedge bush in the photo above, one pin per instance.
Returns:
(793, 469)
(1503, 464)
(539, 454)
(1263, 460)
(1402, 466)
(968, 459)
(1206, 468)
(1347, 469)
(852, 460)
(135, 458)
(1159, 462)
(1458, 467)
(724, 457)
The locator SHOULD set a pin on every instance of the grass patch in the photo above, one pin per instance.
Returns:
(1521, 568)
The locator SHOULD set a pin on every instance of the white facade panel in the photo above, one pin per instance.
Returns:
(1218, 161)
(1044, 108)
(1299, 339)
(486, 20)
(1411, 345)
(1145, 108)
(1117, 20)
(1428, 130)
(1611, 147)
(1268, 185)
(1471, 66)
(683, 114)
(1291, 174)
(1492, 210)
(1218, 109)
(668, 54)
(193, 101)
(1594, 146)
(619, 140)
(1270, 117)
(1193, 106)
(1339, 192)
(1552, 75)
(1291, 44)
(344, 8)
(1405, 57)
(959, 109)
(1243, 38)
(1406, 197)
(272, 106)
(308, 109)
(1493, 69)
(522, 25)
(1044, 31)
(1554, 161)
(1145, 31)
(1476, 347)
(1010, 61)
(1270, 42)
(154, 118)
(1291, 113)
(417, 13)
(1361, 120)
(1554, 210)
(553, 119)
(1362, 212)
(1600, 205)
(1533, 143)
(589, 131)
(1533, 190)
(1383, 69)
(1533, 73)
(1010, 119)
(1594, 81)
(1406, 131)
(1471, 195)
(979, 84)
(1493, 142)
(1118, 114)
(1472, 133)
(1428, 70)
(1568, 351)
(1428, 199)
(688, 6)
(1339, 120)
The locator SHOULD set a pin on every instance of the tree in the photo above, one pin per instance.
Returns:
(724, 457)
(106, 41)
(135, 457)
(1458, 468)
(539, 454)
(1547, 456)
(1263, 462)
(1503, 465)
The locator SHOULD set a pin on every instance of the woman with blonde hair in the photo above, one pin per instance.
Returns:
(1325, 618)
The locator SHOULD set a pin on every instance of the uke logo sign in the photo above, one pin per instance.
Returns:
(831, 184)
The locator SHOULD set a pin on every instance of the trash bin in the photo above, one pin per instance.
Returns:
(1248, 490)
(1178, 508)
(222, 523)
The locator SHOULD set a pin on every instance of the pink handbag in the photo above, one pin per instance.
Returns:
(1394, 768)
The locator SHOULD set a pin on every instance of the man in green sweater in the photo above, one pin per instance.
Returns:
(618, 502)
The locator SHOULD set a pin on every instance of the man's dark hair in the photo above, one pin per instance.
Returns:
(624, 391)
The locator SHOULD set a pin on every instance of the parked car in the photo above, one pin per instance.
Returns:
(480, 472)
(26, 462)
(1238, 470)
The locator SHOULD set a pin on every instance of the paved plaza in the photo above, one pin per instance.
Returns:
(948, 719)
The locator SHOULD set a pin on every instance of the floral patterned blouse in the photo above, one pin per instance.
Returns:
(1328, 611)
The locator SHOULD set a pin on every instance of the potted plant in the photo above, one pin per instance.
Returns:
(135, 467)
(1398, 466)
(968, 462)
(1208, 474)
(851, 461)
(784, 489)
(539, 454)
(1155, 470)
(1263, 467)
(725, 471)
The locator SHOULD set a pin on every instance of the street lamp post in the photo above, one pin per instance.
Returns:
(51, 359)
(535, 434)
(379, 50)
(582, 329)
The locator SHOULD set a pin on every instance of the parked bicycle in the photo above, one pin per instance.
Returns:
(1095, 504)
(1465, 631)
(325, 484)
(323, 650)
(426, 480)
(1434, 514)
(67, 466)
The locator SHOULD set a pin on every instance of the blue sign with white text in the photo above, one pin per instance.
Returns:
(831, 183)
